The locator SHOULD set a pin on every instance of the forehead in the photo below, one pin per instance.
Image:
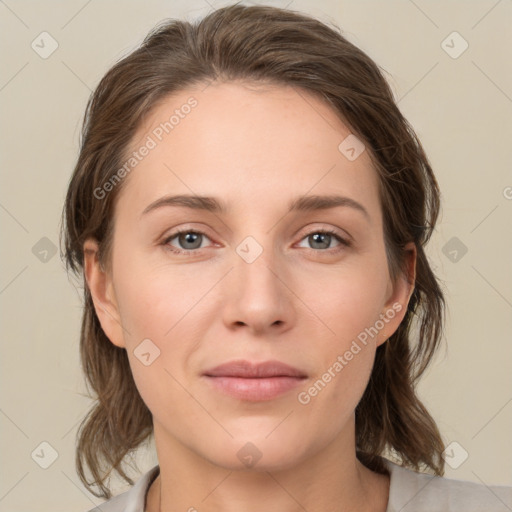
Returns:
(246, 142)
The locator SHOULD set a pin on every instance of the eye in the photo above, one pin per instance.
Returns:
(321, 239)
(188, 239)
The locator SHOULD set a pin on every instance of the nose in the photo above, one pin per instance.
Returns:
(258, 297)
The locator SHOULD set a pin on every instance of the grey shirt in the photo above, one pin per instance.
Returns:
(409, 492)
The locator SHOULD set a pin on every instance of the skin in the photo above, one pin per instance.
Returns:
(256, 148)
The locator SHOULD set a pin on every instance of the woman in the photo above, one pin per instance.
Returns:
(275, 357)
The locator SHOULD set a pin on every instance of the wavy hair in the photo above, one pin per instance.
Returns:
(277, 46)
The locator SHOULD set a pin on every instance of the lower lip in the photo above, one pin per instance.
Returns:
(257, 389)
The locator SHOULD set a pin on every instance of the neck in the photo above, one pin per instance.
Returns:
(332, 479)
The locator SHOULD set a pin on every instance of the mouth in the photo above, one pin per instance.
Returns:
(254, 381)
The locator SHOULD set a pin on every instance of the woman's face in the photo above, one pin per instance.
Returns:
(253, 280)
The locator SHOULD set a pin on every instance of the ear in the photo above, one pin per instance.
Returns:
(398, 296)
(101, 287)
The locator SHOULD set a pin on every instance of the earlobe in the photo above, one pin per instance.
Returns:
(395, 308)
(101, 288)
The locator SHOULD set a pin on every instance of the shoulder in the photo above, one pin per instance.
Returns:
(420, 492)
(131, 500)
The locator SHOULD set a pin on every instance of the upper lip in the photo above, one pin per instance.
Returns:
(248, 369)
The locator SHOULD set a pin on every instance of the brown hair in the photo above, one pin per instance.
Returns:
(272, 45)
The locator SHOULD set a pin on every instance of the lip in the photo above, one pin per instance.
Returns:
(248, 370)
(254, 381)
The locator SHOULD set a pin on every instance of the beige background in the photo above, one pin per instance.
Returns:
(462, 110)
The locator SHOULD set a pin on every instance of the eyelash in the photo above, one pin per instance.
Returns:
(191, 252)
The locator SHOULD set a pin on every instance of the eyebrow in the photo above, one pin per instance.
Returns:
(300, 204)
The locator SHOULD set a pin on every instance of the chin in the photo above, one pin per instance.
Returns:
(253, 450)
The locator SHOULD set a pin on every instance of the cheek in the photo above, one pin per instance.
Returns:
(348, 301)
(344, 365)
(155, 301)
(165, 314)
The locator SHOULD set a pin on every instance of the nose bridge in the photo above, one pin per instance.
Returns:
(256, 268)
(258, 297)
